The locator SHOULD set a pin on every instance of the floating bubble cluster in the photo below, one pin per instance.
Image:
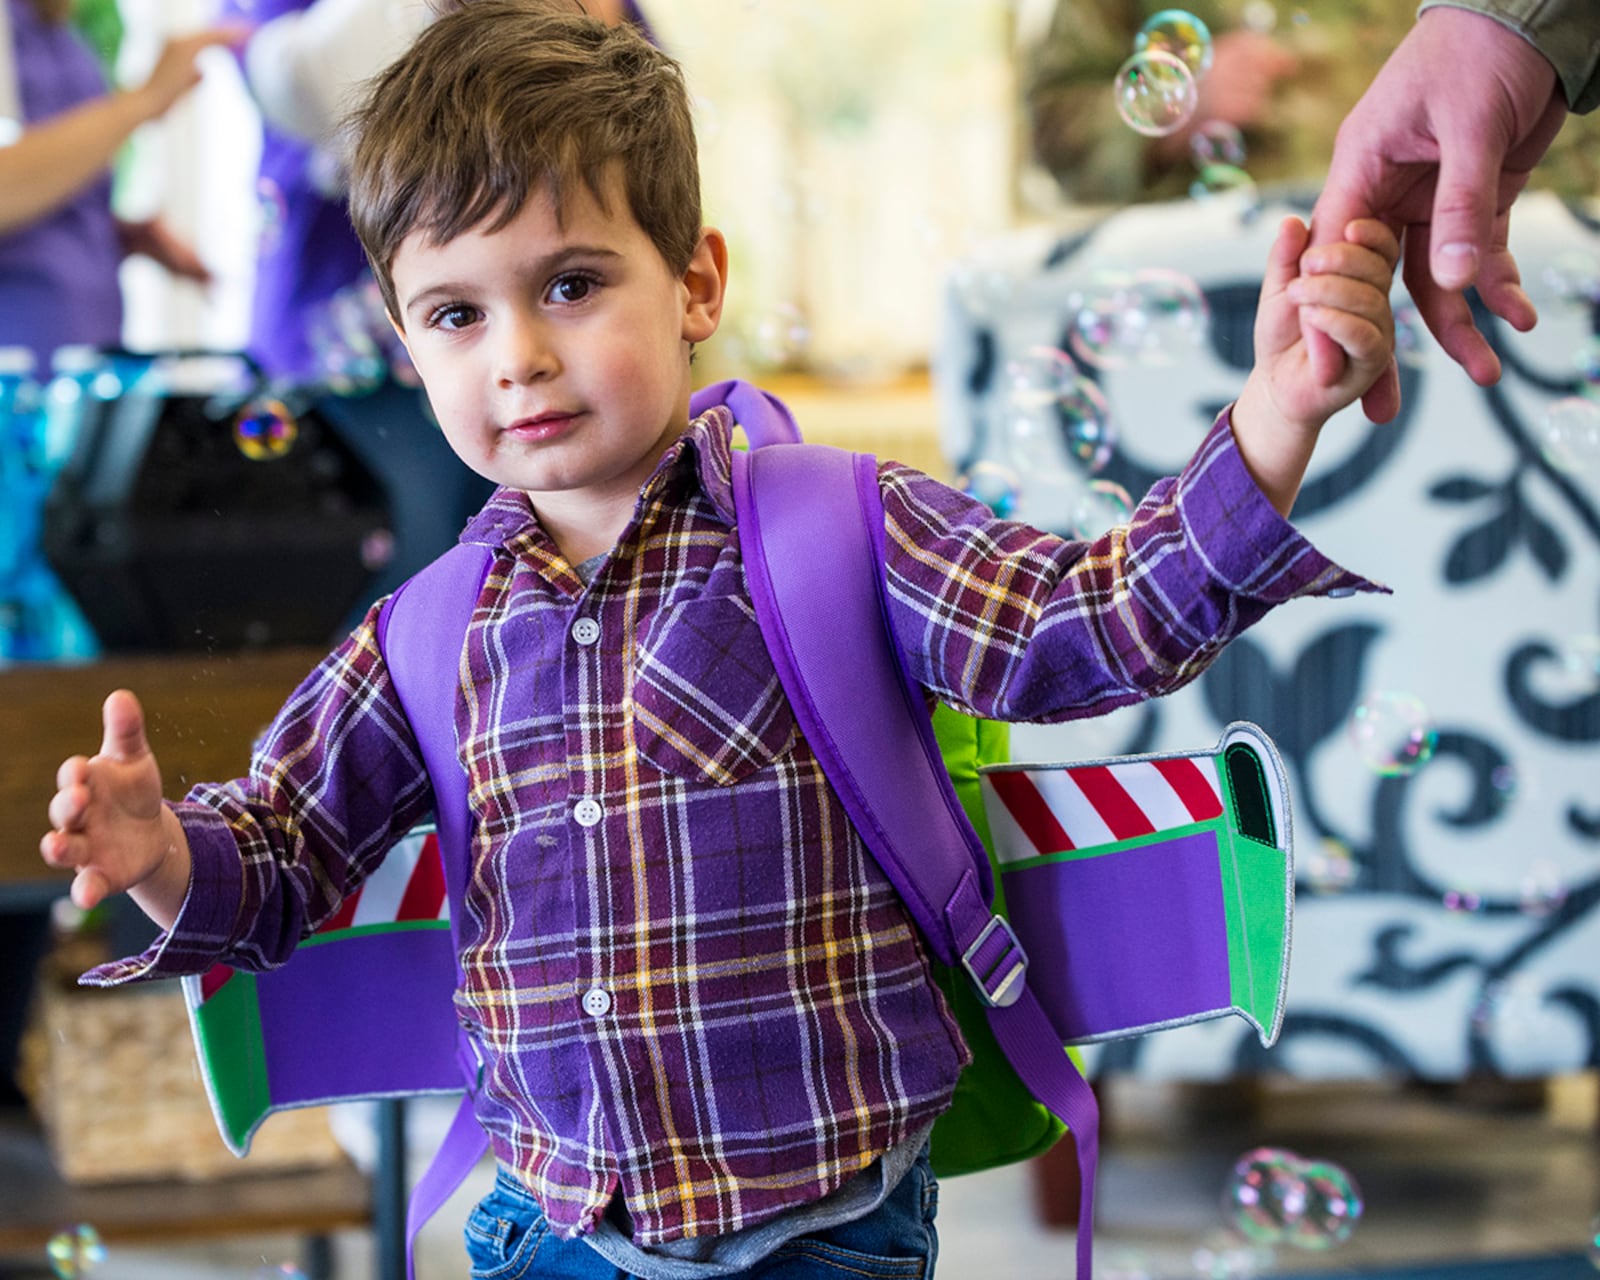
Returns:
(265, 429)
(75, 1252)
(1275, 1196)
(1393, 733)
(1154, 315)
(1054, 413)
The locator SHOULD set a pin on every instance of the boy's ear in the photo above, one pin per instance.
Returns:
(704, 282)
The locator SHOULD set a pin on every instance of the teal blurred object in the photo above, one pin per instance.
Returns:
(39, 622)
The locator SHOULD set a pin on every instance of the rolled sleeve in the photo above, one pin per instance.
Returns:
(1566, 32)
(209, 916)
(1245, 544)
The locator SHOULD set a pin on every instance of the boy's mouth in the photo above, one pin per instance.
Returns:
(542, 426)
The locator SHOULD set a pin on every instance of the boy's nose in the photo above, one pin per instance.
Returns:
(524, 355)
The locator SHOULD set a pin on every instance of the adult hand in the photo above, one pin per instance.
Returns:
(1438, 147)
(153, 238)
(177, 68)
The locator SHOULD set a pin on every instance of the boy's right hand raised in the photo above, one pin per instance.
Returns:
(110, 826)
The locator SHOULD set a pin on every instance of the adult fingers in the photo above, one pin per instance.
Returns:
(1464, 202)
(1446, 313)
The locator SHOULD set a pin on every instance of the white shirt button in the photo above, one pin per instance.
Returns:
(596, 1002)
(585, 630)
(587, 812)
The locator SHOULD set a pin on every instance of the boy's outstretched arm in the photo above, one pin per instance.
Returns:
(110, 826)
(1341, 290)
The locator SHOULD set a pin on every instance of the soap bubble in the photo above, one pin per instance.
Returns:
(1587, 362)
(1220, 180)
(75, 1251)
(1542, 890)
(283, 1271)
(1462, 900)
(993, 484)
(778, 337)
(1223, 1256)
(1572, 277)
(1052, 408)
(1217, 142)
(1276, 1196)
(1172, 315)
(1179, 33)
(265, 429)
(1593, 1246)
(1331, 866)
(1392, 733)
(1264, 1194)
(1151, 316)
(1155, 93)
(1101, 505)
(1411, 337)
(1569, 434)
(1333, 1206)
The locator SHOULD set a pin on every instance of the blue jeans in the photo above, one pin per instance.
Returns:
(508, 1238)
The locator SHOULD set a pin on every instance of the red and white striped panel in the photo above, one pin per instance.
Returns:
(408, 885)
(1033, 812)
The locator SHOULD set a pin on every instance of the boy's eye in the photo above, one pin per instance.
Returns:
(571, 288)
(456, 315)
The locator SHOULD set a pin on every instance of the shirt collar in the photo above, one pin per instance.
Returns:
(701, 458)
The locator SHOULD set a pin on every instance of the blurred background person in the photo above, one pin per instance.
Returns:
(61, 243)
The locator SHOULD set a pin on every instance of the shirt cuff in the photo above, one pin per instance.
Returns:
(1238, 533)
(203, 931)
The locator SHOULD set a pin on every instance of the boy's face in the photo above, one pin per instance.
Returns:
(556, 355)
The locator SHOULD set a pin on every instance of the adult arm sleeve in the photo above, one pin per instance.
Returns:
(1567, 32)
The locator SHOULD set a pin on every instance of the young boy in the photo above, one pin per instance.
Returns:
(711, 1042)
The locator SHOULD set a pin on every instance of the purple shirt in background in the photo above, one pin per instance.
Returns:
(58, 275)
(689, 981)
(308, 251)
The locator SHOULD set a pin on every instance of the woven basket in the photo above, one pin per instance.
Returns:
(113, 1079)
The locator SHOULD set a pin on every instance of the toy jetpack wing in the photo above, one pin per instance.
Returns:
(363, 1009)
(1150, 891)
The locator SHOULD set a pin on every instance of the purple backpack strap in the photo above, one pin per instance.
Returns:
(421, 632)
(811, 533)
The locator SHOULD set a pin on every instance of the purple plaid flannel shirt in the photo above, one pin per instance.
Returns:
(688, 977)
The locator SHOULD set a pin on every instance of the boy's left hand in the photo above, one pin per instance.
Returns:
(1341, 290)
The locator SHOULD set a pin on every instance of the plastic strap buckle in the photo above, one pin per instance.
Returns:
(997, 964)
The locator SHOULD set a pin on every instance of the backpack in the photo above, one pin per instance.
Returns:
(1142, 892)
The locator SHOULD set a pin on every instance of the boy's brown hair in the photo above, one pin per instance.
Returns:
(500, 99)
